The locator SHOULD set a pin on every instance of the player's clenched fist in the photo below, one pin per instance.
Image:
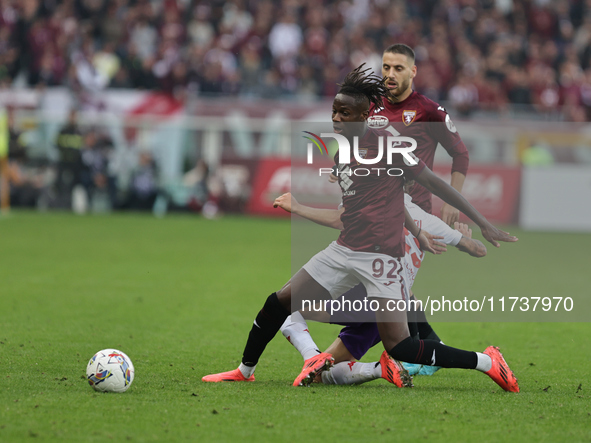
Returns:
(285, 201)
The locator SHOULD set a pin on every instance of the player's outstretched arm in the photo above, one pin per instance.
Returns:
(427, 241)
(467, 244)
(454, 198)
(449, 214)
(325, 217)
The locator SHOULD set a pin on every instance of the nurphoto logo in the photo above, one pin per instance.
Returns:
(388, 146)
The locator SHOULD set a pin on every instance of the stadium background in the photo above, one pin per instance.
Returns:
(186, 108)
(180, 103)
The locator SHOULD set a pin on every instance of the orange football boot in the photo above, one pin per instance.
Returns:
(500, 372)
(312, 367)
(394, 372)
(234, 375)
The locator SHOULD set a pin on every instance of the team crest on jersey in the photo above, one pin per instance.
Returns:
(408, 117)
(362, 154)
(377, 121)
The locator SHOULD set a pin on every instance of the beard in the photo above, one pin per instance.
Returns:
(401, 88)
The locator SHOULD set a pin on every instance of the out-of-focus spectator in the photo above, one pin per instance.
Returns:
(586, 93)
(95, 176)
(25, 180)
(464, 95)
(144, 38)
(285, 37)
(144, 184)
(518, 87)
(106, 62)
(250, 68)
(16, 144)
(538, 154)
(200, 29)
(196, 180)
(530, 53)
(69, 143)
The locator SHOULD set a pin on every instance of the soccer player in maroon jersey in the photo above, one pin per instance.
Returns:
(406, 112)
(353, 342)
(369, 251)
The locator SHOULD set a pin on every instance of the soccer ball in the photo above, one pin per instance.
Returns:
(110, 370)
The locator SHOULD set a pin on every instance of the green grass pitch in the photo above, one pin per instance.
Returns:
(179, 294)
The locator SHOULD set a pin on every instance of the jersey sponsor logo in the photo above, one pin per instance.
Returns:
(408, 117)
(377, 121)
(348, 193)
(450, 125)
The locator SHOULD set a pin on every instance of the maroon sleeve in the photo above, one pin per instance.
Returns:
(444, 131)
(461, 159)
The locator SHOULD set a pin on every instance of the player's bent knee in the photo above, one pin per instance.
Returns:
(391, 343)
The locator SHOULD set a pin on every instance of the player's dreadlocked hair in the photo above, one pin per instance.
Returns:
(362, 84)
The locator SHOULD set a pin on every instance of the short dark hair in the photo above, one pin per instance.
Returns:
(400, 48)
(362, 84)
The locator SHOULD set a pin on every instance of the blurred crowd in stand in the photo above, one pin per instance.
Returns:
(88, 174)
(474, 54)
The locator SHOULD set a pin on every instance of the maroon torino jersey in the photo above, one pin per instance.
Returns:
(428, 123)
(373, 220)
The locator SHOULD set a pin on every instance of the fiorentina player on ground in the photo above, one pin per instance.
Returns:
(368, 251)
(354, 342)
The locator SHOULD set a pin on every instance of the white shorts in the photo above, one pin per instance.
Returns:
(337, 269)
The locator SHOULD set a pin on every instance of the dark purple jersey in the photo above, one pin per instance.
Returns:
(373, 200)
(428, 123)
